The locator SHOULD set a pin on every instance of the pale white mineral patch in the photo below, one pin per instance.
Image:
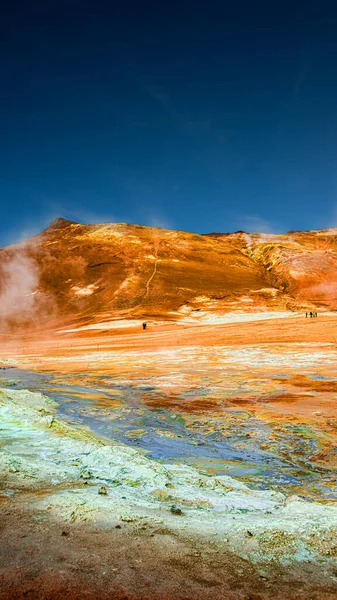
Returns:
(38, 449)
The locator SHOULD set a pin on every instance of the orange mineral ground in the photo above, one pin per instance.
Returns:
(230, 378)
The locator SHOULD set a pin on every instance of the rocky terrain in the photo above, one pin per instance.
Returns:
(193, 460)
(214, 536)
(94, 272)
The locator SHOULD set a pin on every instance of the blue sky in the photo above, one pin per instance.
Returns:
(202, 117)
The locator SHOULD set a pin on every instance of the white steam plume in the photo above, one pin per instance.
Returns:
(19, 277)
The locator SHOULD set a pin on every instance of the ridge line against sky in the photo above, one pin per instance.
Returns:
(25, 235)
(201, 118)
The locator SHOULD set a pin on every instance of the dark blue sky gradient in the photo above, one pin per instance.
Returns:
(210, 116)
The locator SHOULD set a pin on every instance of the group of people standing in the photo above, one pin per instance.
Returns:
(312, 313)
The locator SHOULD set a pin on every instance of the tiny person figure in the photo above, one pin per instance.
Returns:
(306, 315)
(144, 325)
(311, 313)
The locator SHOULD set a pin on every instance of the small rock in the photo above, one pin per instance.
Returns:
(85, 474)
(249, 533)
(175, 510)
(118, 526)
(103, 491)
(13, 469)
(127, 519)
(64, 533)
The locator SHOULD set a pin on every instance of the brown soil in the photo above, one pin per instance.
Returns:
(191, 406)
(48, 560)
(316, 385)
(283, 397)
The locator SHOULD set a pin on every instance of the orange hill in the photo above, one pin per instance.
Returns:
(89, 272)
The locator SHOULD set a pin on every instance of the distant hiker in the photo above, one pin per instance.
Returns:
(311, 313)
(306, 315)
(144, 325)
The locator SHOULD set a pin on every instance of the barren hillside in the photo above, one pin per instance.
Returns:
(91, 272)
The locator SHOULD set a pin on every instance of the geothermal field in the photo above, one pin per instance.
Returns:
(192, 459)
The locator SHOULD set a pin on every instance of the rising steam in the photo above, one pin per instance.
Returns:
(20, 299)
